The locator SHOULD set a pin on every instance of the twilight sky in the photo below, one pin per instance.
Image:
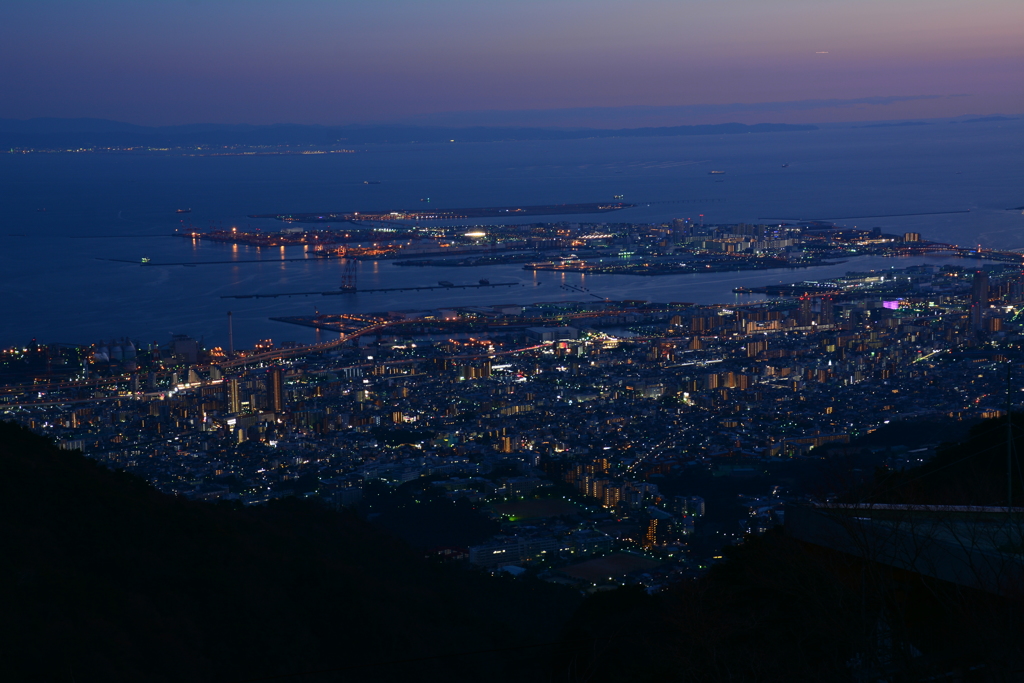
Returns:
(665, 62)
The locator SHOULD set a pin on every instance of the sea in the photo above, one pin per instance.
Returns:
(74, 227)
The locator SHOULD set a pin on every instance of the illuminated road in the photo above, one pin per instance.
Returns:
(280, 354)
(56, 386)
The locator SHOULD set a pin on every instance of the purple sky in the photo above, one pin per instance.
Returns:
(339, 61)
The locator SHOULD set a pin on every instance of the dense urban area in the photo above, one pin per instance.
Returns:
(590, 443)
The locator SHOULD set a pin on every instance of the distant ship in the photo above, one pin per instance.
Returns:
(785, 166)
(715, 172)
(619, 196)
(371, 182)
(183, 211)
(445, 283)
(485, 282)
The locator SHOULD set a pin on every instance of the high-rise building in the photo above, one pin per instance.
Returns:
(1016, 294)
(979, 300)
(612, 495)
(827, 316)
(234, 397)
(804, 313)
(275, 390)
(185, 349)
(651, 534)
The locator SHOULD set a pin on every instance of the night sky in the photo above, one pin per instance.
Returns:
(335, 62)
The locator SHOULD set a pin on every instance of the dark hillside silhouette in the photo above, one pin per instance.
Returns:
(105, 579)
(975, 471)
(778, 609)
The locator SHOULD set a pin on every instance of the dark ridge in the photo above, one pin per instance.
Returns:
(916, 433)
(983, 469)
(779, 609)
(105, 579)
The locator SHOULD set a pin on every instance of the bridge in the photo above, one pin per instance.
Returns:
(280, 354)
(963, 252)
(266, 356)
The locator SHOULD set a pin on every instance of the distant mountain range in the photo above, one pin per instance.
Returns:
(54, 133)
(903, 124)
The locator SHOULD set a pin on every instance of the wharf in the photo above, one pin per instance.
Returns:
(368, 291)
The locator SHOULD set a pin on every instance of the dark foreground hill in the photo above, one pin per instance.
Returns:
(102, 578)
(782, 608)
(983, 468)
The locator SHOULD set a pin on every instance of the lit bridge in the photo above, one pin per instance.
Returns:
(279, 354)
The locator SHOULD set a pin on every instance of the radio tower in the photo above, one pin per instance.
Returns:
(348, 275)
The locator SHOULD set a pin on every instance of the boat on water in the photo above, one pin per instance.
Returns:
(183, 211)
(371, 182)
(785, 166)
(445, 283)
(484, 281)
(715, 172)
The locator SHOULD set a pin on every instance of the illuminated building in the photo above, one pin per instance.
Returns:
(275, 389)
(234, 398)
(651, 534)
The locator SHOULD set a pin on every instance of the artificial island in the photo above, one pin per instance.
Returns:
(682, 246)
